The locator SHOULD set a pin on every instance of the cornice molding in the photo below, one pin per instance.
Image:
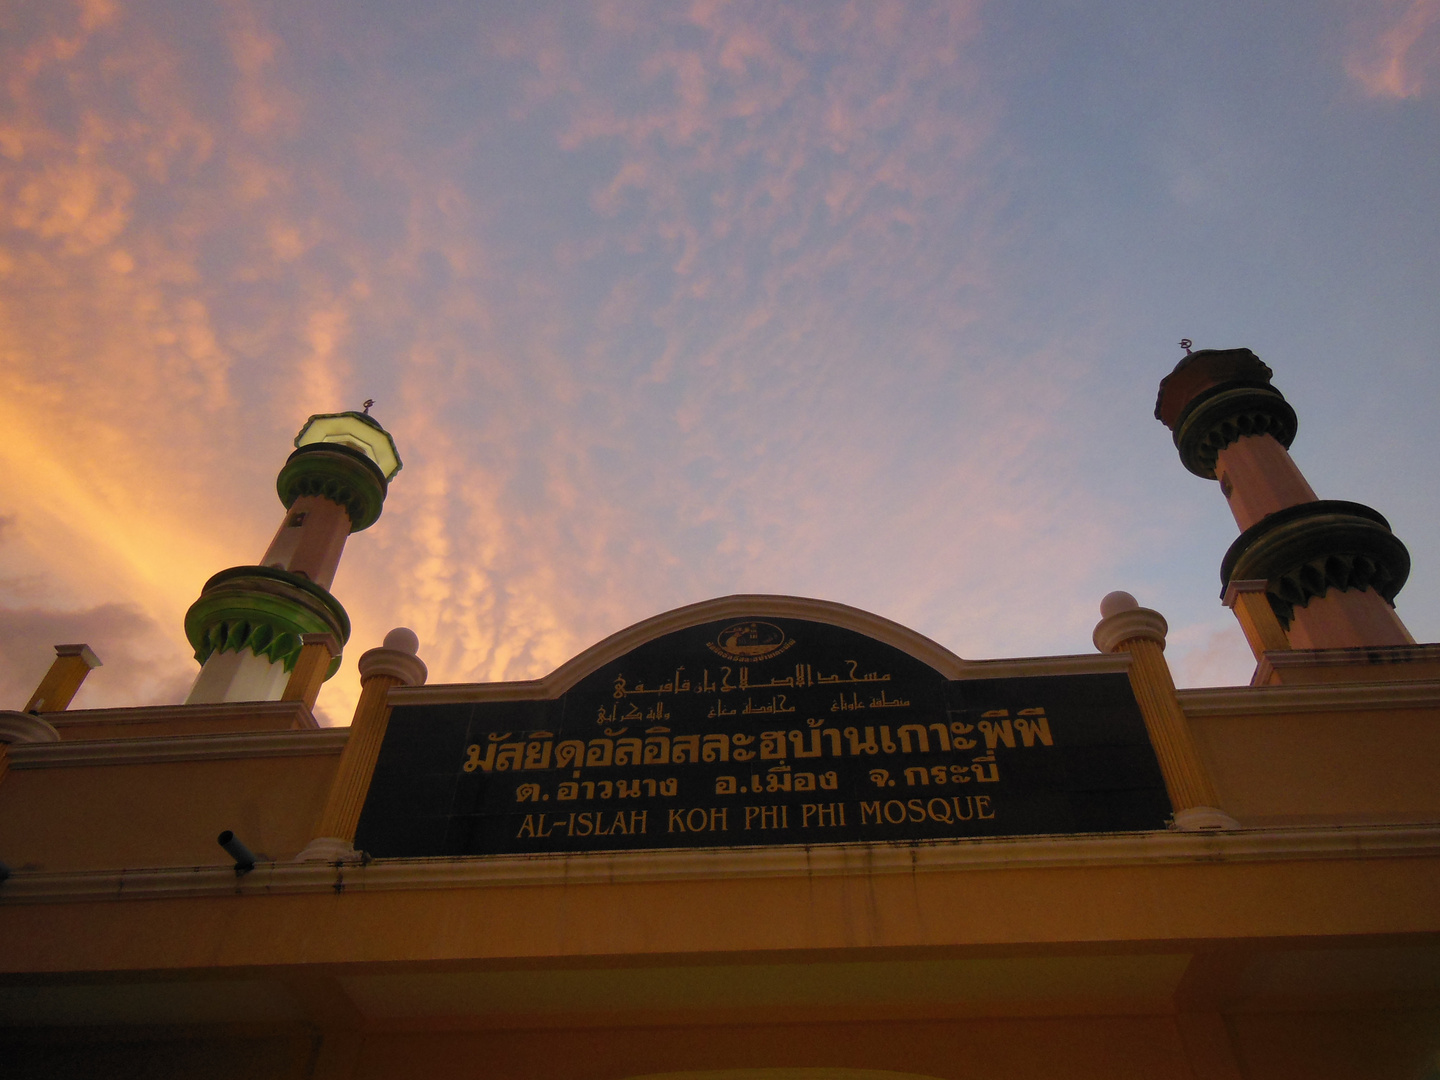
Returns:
(246, 744)
(295, 712)
(857, 860)
(741, 606)
(1246, 700)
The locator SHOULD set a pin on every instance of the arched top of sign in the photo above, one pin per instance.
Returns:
(752, 636)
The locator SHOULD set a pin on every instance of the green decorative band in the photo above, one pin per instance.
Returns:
(264, 610)
(1303, 551)
(339, 474)
(1225, 414)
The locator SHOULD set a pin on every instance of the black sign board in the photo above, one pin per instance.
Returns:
(758, 732)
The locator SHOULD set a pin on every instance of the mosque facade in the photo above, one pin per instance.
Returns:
(756, 838)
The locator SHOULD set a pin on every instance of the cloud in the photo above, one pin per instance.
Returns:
(1397, 51)
(1213, 654)
(660, 303)
(138, 662)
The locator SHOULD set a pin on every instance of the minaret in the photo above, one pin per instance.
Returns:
(1330, 569)
(248, 623)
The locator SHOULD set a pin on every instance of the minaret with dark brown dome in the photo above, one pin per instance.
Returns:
(1330, 569)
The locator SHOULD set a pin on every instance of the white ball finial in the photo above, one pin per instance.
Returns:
(403, 639)
(1122, 619)
(1116, 602)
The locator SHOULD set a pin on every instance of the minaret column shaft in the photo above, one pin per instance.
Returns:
(310, 539)
(1258, 477)
(1347, 619)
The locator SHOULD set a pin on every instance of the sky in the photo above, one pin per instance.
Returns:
(667, 301)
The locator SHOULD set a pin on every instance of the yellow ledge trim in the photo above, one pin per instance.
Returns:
(247, 744)
(718, 864)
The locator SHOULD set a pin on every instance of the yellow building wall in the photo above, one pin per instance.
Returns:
(115, 816)
(1351, 766)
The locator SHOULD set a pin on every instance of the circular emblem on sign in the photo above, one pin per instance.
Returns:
(752, 640)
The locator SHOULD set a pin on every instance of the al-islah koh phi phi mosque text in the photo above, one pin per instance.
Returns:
(754, 837)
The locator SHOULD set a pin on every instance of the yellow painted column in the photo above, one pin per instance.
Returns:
(1127, 627)
(1256, 617)
(57, 689)
(306, 678)
(393, 664)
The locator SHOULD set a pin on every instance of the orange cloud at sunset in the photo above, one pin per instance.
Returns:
(1400, 56)
(663, 302)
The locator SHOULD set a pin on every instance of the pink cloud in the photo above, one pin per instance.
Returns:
(1397, 54)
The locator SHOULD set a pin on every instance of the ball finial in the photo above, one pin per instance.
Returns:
(403, 639)
(1116, 602)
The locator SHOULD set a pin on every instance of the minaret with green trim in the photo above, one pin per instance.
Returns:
(1330, 569)
(246, 627)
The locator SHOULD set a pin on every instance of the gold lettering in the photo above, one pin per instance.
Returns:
(797, 740)
(600, 753)
(922, 737)
(657, 750)
(819, 812)
(628, 752)
(570, 754)
(996, 733)
(1032, 725)
(474, 761)
(856, 746)
(985, 769)
(717, 748)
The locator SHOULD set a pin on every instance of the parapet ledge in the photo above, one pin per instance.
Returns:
(153, 721)
(210, 746)
(1313, 697)
(1368, 664)
(1419, 840)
